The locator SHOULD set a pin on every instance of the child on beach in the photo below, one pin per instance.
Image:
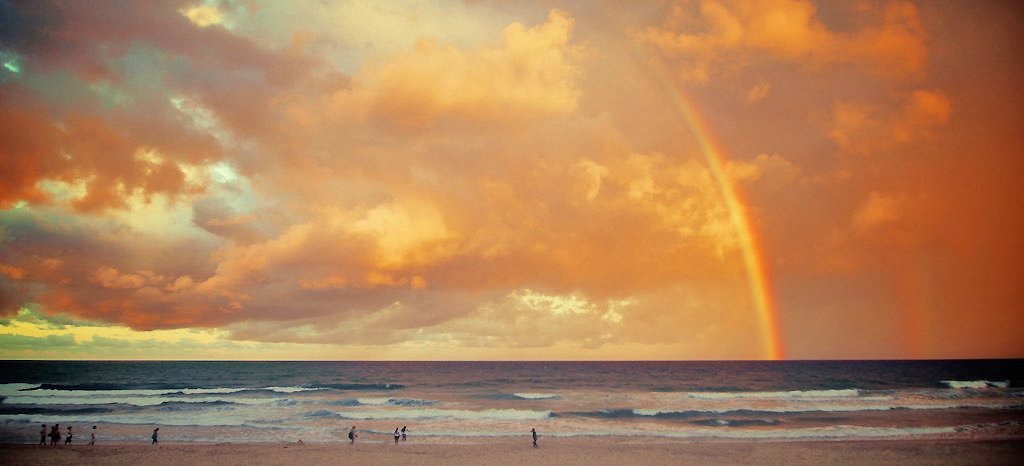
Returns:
(67, 441)
(155, 432)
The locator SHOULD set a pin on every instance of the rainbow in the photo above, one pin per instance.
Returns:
(753, 256)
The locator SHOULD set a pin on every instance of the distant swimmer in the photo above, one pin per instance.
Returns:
(534, 432)
(352, 436)
(156, 433)
(403, 432)
(397, 436)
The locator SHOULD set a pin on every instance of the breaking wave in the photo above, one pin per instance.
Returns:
(976, 383)
(434, 413)
(382, 402)
(787, 395)
(535, 396)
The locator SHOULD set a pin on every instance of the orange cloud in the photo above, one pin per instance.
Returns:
(530, 72)
(861, 128)
(758, 92)
(732, 32)
(523, 187)
(12, 272)
(924, 110)
(109, 277)
(876, 210)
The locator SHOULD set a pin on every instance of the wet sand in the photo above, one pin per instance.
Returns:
(576, 451)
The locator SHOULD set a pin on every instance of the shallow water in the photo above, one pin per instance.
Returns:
(462, 401)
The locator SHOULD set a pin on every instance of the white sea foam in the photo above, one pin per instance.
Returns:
(789, 395)
(373, 401)
(22, 389)
(8, 389)
(205, 391)
(433, 413)
(976, 383)
(201, 391)
(164, 419)
(381, 401)
(292, 389)
(133, 400)
(821, 407)
(841, 431)
(535, 396)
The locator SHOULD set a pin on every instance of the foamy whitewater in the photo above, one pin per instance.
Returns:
(463, 401)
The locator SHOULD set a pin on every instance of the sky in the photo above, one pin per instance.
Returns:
(492, 180)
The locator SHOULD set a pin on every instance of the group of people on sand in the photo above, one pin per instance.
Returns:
(399, 434)
(402, 434)
(54, 435)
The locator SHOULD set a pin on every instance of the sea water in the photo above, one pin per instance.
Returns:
(472, 401)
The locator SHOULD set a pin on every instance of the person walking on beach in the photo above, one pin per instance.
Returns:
(42, 436)
(92, 437)
(67, 441)
(397, 436)
(534, 432)
(154, 437)
(54, 435)
(403, 433)
(352, 436)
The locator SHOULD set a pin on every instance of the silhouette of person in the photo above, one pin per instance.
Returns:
(534, 432)
(403, 432)
(54, 435)
(67, 440)
(42, 436)
(154, 437)
(92, 437)
(352, 436)
(397, 436)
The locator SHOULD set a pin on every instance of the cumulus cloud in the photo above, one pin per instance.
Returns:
(876, 210)
(202, 15)
(723, 35)
(350, 180)
(109, 277)
(12, 272)
(924, 110)
(532, 71)
(864, 128)
(758, 92)
(101, 113)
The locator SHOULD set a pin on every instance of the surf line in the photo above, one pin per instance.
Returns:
(753, 254)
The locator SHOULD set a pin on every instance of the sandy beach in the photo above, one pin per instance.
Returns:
(591, 452)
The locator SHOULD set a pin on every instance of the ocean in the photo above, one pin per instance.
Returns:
(470, 402)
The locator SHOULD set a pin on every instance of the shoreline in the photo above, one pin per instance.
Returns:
(172, 435)
(505, 451)
(611, 439)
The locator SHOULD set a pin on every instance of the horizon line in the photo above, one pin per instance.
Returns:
(1004, 358)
